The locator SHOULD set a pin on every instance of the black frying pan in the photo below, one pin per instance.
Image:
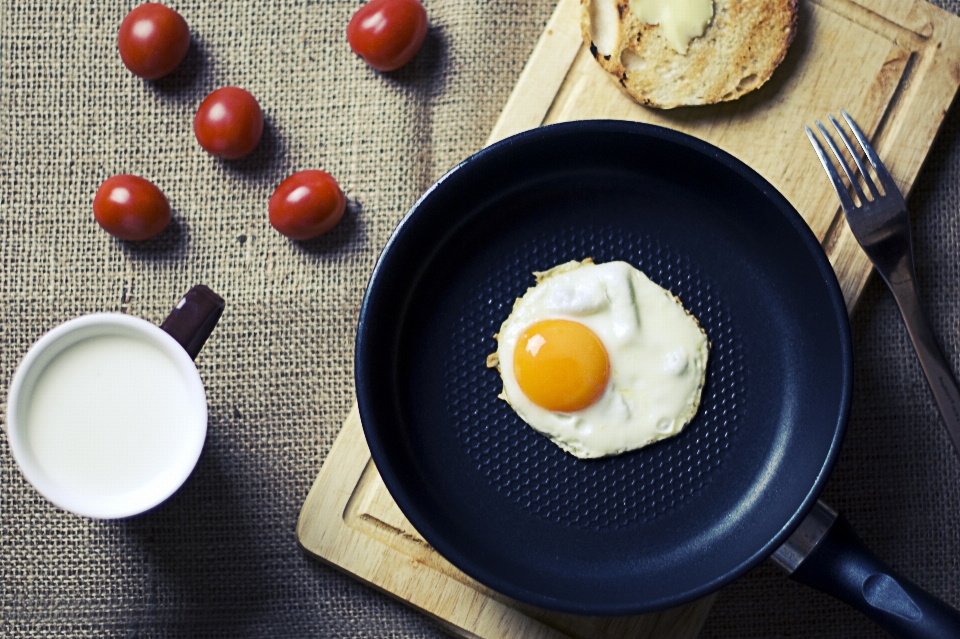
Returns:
(645, 530)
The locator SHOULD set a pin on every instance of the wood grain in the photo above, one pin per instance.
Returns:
(894, 65)
(364, 533)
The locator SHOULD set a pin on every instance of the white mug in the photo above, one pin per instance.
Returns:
(107, 414)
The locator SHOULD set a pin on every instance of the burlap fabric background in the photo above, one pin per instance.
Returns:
(220, 558)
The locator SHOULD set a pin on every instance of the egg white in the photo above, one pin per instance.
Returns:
(657, 350)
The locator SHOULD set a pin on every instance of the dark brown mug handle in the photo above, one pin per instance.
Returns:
(193, 318)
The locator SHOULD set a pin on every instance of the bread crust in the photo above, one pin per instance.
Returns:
(737, 53)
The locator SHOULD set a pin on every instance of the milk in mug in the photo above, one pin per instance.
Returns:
(108, 414)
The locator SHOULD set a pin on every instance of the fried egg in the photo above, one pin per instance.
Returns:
(600, 359)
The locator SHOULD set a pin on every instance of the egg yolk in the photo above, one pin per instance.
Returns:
(561, 365)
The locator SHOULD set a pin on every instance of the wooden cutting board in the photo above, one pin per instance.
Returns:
(892, 64)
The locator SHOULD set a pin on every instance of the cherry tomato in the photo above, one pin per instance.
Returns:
(129, 207)
(229, 123)
(306, 205)
(153, 40)
(388, 33)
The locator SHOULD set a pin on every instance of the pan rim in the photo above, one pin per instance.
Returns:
(367, 397)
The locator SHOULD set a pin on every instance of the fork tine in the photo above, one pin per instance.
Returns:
(856, 158)
(845, 200)
(885, 179)
(843, 163)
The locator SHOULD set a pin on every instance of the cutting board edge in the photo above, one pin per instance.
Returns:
(338, 545)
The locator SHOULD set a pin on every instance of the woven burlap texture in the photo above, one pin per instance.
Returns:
(220, 558)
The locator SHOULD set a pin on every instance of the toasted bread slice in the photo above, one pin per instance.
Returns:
(737, 53)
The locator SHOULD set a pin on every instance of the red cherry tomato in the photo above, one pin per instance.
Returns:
(306, 205)
(129, 207)
(153, 40)
(229, 123)
(388, 33)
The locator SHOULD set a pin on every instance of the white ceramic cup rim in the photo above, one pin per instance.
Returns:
(132, 502)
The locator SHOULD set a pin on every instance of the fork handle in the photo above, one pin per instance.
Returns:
(934, 364)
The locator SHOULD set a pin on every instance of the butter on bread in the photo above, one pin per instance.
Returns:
(737, 53)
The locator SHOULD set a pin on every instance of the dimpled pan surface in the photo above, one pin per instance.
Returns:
(644, 530)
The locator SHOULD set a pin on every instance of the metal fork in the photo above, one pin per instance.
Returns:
(881, 224)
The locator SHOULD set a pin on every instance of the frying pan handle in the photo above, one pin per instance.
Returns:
(841, 566)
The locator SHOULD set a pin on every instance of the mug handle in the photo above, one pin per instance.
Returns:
(193, 318)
